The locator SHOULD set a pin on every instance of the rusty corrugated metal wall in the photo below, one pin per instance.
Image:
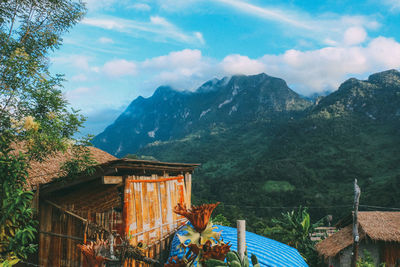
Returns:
(148, 210)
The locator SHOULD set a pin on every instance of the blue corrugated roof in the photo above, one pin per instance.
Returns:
(269, 252)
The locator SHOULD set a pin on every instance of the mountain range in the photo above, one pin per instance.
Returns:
(265, 149)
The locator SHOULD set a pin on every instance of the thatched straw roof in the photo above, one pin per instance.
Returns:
(44, 172)
(332, 245)
(381, 225)
(376, 225)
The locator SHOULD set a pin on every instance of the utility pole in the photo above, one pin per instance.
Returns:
(356, 237)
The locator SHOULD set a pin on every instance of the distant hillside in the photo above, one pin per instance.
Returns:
(261, 145)
(169, 114)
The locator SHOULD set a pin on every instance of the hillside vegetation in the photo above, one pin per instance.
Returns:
(267, 150)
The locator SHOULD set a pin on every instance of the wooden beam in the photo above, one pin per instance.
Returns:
(111, 180)
(66, 211)
(154, 168)
(64, 183)
(65, 236)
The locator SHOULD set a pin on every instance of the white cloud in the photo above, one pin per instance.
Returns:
(237, 64)
(307, 72)
(105, 40)
(96, 5)
(184, 69)
(99, 4)
(109, 24)
(186, 58)
(325, 28)
(199, 37)
(394, 5)
(119, 67)
(354, 36)
(79, 93)
(79, 78)
(324, 69)
(141, 7)
(384, 53)
(267, 13)
(77, 61)
(178, 5)
(157, 29)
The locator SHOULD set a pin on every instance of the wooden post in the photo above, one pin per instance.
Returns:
(241, 238)
(356, 236)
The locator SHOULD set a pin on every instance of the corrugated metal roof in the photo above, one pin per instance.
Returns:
(269, 252)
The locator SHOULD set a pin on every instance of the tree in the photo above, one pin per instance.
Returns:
(35, 120)
(294, 228)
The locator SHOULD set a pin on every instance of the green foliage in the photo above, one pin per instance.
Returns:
(278, 186)
(221, 220)
(367, 260)
(294, 229)
(35, 120)
(17, 229)
(233, 260)
(82, 160)
(254, 260)
(313, 160)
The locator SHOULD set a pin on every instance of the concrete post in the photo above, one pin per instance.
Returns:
(241, 238)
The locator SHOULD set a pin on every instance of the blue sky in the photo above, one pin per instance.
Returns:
(123, 49)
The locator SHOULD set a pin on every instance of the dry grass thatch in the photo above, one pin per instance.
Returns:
(44, 172)
(332, 245)
(381, 225)
(377, 225)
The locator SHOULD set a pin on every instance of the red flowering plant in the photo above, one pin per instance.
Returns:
(199, 216)
(217, 252)
(200, 241)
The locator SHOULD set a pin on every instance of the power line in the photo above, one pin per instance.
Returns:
(379, 207)
(293, 207)
(308, 207)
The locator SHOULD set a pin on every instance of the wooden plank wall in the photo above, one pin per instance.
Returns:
(62, 250)
(148, 217)
(148, 210)
(57, 250)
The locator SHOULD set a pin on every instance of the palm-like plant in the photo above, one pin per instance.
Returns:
(294, 228)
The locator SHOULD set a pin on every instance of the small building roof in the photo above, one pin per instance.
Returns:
(45, 171)
(268, 251)
(376, 225)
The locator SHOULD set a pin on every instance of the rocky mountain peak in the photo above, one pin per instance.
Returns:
(386, 78)
(170, 114)
(164, 91)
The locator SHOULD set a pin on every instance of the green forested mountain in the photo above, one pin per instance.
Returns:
(263, 148)
(172, 115)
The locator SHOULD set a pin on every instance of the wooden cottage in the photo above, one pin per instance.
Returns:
(124, 199)
(379, 235)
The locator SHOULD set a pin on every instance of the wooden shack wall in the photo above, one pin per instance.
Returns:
(390, 253)
(148, 218)
(58, 250)
(60, 233)
(148, 210)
